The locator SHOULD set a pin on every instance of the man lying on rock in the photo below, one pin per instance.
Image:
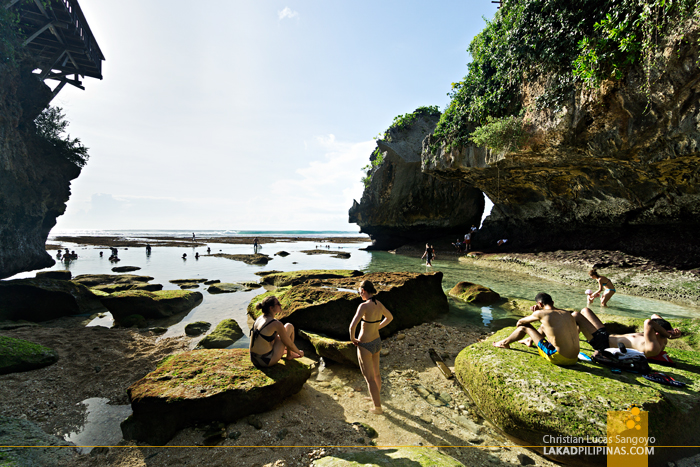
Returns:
(559, 344)
(652, 341)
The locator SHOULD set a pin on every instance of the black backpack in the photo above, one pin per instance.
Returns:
(630, 361)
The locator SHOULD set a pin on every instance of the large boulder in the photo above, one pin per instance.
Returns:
(31, 446)
(327, 307)
(474, 293)
(151, 305)
(399, 457)
(283, 279)
(45, 299)
(402, 204)
(227, 332)
(61, 275)
(117, 282)
(20, 355)
(339, 351)
(204, 386)
(197, 328)
(528, 397)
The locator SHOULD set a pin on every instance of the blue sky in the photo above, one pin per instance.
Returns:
(251, 115)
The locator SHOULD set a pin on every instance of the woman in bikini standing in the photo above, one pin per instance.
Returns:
(604, 285)
(267, 348)
(374, 316)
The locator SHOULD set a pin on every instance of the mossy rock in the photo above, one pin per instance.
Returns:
(31, 446)
(187, 281)
(151, 305)
(209, 385)
(19, 355)
(284, 279)
(133, 320)
(225, 287)
(61, 275)
(398, 457)
(528, 397)
(125, 268)
(197, 328)
(111, 288)
(328, 309)
(227, 332)
(255, 259)
(474, 293)
(93, 280)
(45, 299)
(344, 352)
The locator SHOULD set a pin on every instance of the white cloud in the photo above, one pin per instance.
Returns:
(287, 13)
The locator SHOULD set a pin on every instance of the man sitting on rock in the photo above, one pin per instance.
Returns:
(559, 344)
(652, 341)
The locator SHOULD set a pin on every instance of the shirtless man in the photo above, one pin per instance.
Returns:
(559, 344)
(657, 332)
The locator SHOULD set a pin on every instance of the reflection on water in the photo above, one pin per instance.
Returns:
(102, 425)
(165, 264)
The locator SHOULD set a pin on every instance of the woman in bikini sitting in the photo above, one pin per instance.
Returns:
(271, 345)
(604, 285)
(374, 316)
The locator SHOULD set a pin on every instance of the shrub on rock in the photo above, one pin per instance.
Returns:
(202, 386)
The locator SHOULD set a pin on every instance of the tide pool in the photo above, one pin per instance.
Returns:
(166, 263)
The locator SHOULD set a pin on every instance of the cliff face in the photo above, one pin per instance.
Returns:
(403, 205)
(34, 179)
(606, 172)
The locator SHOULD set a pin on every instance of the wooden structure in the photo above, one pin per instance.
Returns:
(57, 34)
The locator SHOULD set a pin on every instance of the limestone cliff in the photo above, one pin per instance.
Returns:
(401, 204)
(34, 179)
(605, 172)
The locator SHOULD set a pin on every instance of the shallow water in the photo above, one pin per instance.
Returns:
(102, 425)
(166, 263)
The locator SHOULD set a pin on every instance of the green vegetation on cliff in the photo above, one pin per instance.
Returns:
(559, 44)
(51, 124)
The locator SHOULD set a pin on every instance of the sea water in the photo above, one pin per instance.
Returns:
(166, 263)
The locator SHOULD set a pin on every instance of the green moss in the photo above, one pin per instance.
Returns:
(283, 279)
(474, 293)
(293, 298)
(21, 355)
(528, 397)
(202, 373)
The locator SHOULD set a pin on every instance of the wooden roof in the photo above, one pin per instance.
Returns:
(57, 33)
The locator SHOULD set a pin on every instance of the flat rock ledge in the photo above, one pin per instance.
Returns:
(528, 397)
(150, 305)
(45, 299)
(208, 385)
(401, 457)
(327, 306)
(20, 355)
(110, 283)
(25, 444)
(257, 258)
(474, 293)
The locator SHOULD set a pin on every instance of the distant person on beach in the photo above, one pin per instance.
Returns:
(559, 344)
(196, 255)
(473, 229)
(255, 244)
(278, 337)
(148, 248)
(58, 255)
(208, 250)
(657, 332)
(193, 237)
(604, 285)
(373, 316)
(429, 255)
(101, 253)
(184, 256)
(467, 241)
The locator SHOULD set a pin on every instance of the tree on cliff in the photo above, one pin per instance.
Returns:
(51, 124)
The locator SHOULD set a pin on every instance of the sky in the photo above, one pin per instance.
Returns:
(251, 115)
